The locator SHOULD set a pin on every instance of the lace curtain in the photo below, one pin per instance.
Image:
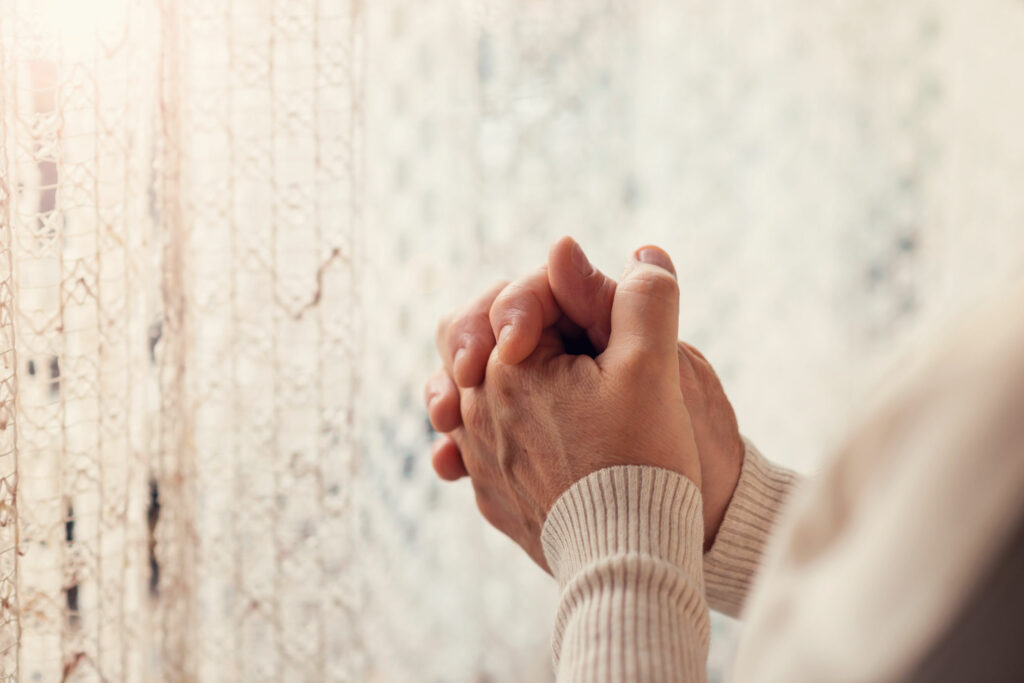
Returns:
(227, 229)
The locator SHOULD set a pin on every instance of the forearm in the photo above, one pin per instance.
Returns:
(625, 546)
(732, 562)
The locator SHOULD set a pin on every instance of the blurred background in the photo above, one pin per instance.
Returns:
(228, 228)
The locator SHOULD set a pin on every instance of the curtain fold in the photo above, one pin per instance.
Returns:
(181, 336)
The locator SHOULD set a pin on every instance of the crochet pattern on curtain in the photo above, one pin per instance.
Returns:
(228, 228)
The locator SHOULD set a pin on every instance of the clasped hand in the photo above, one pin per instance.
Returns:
(525, 418)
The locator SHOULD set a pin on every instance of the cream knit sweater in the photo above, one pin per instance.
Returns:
(869, 564)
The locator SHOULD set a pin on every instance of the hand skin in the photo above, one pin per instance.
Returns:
(574, 298)
(534, 427)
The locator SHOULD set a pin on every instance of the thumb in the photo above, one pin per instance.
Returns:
(645, 314)
(582, 291)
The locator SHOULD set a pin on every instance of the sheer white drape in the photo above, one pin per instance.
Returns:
(181, 340)
(227, 229)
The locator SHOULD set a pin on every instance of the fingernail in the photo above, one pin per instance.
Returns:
(504, 334)
(580, 261)
(461, 353)
(655, 256)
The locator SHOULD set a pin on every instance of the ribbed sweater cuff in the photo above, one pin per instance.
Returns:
(732, 562)
(628, 531)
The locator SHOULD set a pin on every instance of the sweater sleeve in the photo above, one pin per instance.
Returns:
(624, 544)
(732, 562)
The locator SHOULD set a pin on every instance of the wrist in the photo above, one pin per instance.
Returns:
(721, 475)
(732, 560)
(623, 510)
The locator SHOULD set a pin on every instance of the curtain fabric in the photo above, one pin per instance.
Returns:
(180, 340)
(227, 229)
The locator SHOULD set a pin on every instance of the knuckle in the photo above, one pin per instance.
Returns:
(472, 328)
(643, 365)
(453, 333)
(652, 282)
(509, 298)
(497, 371)
(437, 388)
(694, 351)
(501, 377)
(486, 301)
(473, 409)
(524, 296)
(515, 300)
(457, 323)
(463, 324)
(460, 336)
(444, 413)
(702, 369)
